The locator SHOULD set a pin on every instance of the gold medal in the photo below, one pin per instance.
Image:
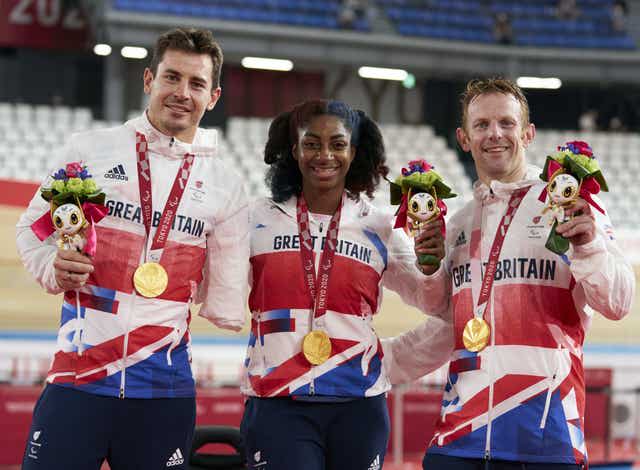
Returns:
(150, 279)
(476, 334)
(316, 347)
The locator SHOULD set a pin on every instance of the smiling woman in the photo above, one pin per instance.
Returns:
(322, 147)
(324, 154)
(320, 256)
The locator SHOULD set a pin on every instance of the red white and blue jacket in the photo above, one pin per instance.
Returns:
(522, 398)
(369, 255)
(139, 347)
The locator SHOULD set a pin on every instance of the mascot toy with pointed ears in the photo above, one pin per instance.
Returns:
(570, 173)
(75, 205)
(419, 193)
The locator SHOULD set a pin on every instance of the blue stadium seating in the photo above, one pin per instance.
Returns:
(308, 13)
(533, 23)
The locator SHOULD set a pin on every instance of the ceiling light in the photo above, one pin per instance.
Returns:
(265, 63)
(131, 52)
(383, 74)
(102, 49)
(538, 82)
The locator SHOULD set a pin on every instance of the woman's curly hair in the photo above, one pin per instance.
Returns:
(284, 177)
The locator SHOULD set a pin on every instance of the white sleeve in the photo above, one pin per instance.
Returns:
(223, 291)
(419, 351)
(431, 294)
(600, 269)
(37, 256)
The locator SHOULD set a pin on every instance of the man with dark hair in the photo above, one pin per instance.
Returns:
(515, 395)
(193, 41)
(120, 387)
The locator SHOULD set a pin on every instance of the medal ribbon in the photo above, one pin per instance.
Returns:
(319, 295)
(173, 201)
(482, 292)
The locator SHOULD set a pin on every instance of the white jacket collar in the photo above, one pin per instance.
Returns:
(351, 208)
(483, 192)
(205, 142)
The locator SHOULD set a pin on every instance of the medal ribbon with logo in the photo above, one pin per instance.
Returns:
(150, 278)
(477, 332)
(316, 345)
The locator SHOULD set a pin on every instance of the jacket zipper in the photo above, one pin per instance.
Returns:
(124, 358)
(547, 403)
(123, 370)
(125, 347)
(487, 449)
(312, 385)
(259, 340)
(552, 381)
(175, 340)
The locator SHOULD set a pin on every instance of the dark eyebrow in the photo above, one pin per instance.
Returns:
(199, 80)
(333, 137)
(175, 72)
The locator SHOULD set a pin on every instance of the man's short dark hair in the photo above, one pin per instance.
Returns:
(192, 40)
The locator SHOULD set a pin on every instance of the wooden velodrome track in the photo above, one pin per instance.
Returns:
(25, 307)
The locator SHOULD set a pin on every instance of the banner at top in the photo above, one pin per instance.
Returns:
(50, 24)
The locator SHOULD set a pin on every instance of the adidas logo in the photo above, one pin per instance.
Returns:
(461, 240)
(175, 459)
(117, 173)
(375, 465)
